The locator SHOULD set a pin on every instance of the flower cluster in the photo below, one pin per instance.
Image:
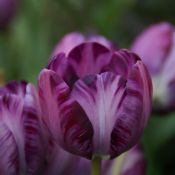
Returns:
(93, 101)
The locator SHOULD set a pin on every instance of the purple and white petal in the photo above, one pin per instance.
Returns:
(33, 138)
(67, 121)
(14, 87)
(97, 95)
(9, 157)
(121, 62)
(134, 111)
(89, 58)
(11, 107)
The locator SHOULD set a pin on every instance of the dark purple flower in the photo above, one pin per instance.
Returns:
(156, 47)
(7, 11)
(21, 142)
(95, 101)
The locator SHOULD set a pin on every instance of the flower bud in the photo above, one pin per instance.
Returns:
(95, 101)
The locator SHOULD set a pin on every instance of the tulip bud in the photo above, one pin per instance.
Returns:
(7, 10)
(99, 104)
(156, 47)
(21, 144)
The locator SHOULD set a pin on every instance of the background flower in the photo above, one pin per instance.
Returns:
(21, 140)
(156, 48)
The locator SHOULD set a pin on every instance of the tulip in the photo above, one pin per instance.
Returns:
(21, 140)
(71, 40)
(95, 102)
(133, 163)
(7, 11)
(156, 47)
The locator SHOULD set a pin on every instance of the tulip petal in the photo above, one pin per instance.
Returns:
(134, 110)
(88, 58)
(59, 64)
(14, 87)
(11, 107)
(9, 159)
(103, 41)
(52, 91)
(66, 119)
(60, 162)
(34, 148)
(69, 41)
(153, 45)
(121, 62)
(135, 162)
(100, 97)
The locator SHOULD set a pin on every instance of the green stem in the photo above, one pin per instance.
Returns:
(116, 170)
(96, 166)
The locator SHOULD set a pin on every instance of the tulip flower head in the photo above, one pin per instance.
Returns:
(95, 101)
(20, 131)
(156, 47)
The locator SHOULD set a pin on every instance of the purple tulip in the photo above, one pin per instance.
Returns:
(20, 130)
(156, 47)
(7, 10)
(71, 40)
(95, 101)
(134, 163)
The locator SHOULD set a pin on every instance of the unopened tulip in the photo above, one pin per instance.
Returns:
(156, 47)
(21, 145)
(95, 102)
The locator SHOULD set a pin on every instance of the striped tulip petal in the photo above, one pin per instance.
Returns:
(9, 158)
(20, 119)
(67, 121)
(14, 87)
(89, 58)
(33, 138)
(97, 94)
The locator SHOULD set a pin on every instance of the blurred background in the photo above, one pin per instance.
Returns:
(35, 26)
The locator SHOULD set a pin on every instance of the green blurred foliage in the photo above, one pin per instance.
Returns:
(39, 24)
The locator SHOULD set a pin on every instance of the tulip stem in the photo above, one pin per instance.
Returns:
(96, 166)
